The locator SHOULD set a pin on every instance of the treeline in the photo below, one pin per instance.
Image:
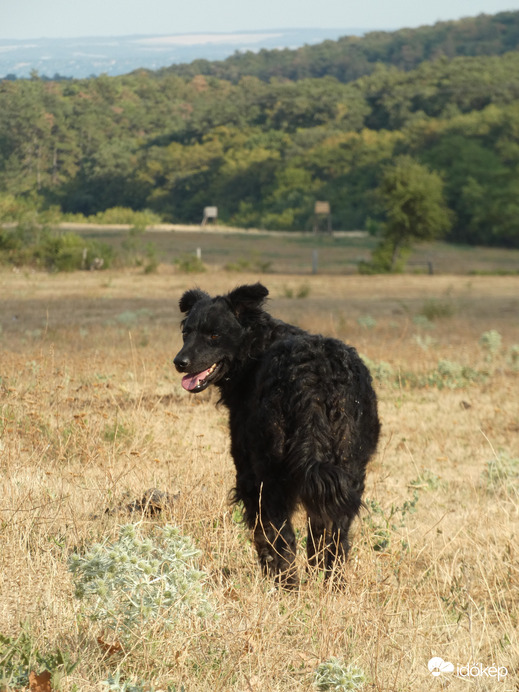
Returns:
(352, 57)
(265, 151)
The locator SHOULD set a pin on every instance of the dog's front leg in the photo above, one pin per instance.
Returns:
(275, 543)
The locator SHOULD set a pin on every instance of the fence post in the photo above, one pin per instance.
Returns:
(315, 261)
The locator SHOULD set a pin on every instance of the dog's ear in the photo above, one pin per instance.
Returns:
(248, 298)
(190, 298)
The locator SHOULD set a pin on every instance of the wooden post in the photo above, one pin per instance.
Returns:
(315, 261)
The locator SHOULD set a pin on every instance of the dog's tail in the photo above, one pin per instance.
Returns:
(327, 490)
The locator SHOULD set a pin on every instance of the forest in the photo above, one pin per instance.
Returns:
(263, 136)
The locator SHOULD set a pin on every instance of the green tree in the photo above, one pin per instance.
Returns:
(412, 198)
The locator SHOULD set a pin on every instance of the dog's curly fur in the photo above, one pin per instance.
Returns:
(303, 421)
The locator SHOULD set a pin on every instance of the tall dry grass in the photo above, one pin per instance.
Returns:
(92, 415)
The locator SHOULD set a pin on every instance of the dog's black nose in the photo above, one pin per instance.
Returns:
(181, 362)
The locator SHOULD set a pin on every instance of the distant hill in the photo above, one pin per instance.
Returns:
(87, 57)
(294, 54)
(263, 136)
(352, 57)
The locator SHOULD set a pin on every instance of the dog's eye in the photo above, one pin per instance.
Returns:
(214, 337)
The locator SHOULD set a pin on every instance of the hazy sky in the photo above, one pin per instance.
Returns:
(24, 19)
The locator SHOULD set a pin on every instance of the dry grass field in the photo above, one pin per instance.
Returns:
(93, 415)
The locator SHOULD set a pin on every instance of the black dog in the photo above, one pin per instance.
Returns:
(303, 421)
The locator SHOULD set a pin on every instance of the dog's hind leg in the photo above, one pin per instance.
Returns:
(327, 544)
(339, 546)
(317, 539)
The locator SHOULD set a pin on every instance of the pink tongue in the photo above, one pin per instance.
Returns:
(189, 382)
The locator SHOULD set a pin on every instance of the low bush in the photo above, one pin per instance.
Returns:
(253, 263)
(139, 580)
(43, 248)
(437, 309)
(335, 675)
(22, 664)
(190, 264)
(118, 215)
(502, 472)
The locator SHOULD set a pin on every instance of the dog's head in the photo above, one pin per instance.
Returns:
(214, 331)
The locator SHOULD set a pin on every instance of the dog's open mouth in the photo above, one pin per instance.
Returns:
(198, 381)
